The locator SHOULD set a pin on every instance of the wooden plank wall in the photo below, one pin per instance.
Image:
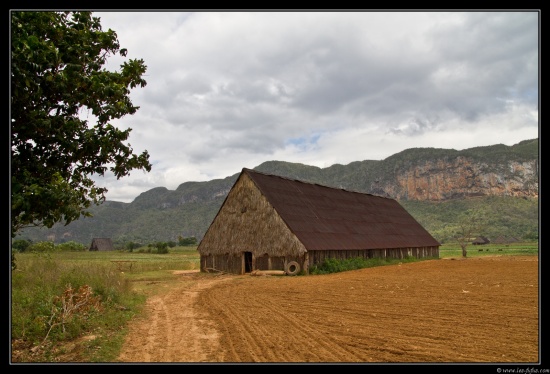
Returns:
(233, 263)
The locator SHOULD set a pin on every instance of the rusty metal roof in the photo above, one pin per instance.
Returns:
(326, 218)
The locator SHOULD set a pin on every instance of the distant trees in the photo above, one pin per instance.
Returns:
(187, 241)
(130, 246)
(21, 245)
(72, 246)
(161, 247)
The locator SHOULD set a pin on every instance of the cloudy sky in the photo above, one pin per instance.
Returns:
(227, 90)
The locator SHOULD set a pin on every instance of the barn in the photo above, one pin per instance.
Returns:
(101, 244)
(268, 222)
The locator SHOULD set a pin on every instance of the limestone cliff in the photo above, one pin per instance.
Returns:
(432, 174)
(463, 177)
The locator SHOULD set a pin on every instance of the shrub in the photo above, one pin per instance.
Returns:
(187, 241)
(162, 247)
(21, 245)
(72, 247)
(130, 246)
(42, 247)
(331, 265)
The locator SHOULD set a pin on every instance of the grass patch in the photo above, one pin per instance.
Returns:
(452, 250)
(75, 306)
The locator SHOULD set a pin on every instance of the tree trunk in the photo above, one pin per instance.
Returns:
(464, 252)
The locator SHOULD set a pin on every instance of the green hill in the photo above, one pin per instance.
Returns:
(502, 181)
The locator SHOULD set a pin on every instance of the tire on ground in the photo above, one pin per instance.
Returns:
(292, 268)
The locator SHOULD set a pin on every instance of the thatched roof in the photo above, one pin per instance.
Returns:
(101, 244)
(500, 240)
(247, 222)
(505, 240)
(320, 217)
(481, 240)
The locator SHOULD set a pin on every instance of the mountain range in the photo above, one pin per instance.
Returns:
(435, 185)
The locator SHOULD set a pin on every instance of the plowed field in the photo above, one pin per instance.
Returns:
(475, 310)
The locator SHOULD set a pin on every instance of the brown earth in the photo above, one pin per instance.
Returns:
(475, 310)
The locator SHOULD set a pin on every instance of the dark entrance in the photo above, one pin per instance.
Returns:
(247, 262)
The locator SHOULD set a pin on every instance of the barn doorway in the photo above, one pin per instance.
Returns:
(247, 262)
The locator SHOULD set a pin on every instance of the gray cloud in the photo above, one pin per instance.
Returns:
(232, 89)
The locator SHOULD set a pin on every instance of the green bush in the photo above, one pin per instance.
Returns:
(42, 247)
(21, 245)
(162, 247)
(187, 241)
(331, 265)
(130, 246)
(72, 247)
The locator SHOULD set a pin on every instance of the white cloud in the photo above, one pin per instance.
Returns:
(227, 90)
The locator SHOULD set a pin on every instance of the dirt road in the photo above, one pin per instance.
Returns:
(475, 310)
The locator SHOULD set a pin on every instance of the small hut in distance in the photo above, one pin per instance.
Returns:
(101, 244)
(480, 240)
(505, 240)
